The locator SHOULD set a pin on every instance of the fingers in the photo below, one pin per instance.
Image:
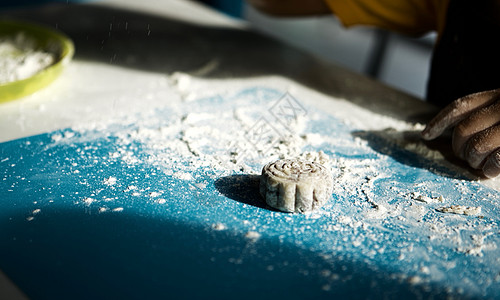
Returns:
(476, 136)
(478, 121)
(457, 111)
(491, 167)
(481, 146)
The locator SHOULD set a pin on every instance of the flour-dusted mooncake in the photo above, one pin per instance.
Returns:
(295, 185)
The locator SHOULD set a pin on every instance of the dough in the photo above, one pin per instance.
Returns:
(295, 185)
(461, 210)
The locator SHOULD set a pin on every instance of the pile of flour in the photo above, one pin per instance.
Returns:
(20, 58)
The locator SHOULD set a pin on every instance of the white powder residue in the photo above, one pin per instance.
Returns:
(313, 139)
(421, 149)
(219, 226)
(407, 136)
(414, 280)
(426, 199)
(344, 220)
(56, 137)
(193, 118)
(88, 200)
(378, 212)
(110, 181)
(200, 185)
(252, 235)
(118, 209)
(20, 58)
(317, 157)
(68, 134)
(415, 212)
(183, 84)
(479, 244)
(33, 214)
(130, 188)
(183, 175)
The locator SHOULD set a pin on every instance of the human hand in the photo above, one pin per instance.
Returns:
(476, 133)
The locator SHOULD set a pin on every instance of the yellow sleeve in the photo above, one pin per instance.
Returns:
(413, 17)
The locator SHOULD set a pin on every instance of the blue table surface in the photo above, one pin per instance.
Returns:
(89, 214)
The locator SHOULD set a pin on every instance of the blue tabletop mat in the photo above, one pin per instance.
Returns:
(79, 222)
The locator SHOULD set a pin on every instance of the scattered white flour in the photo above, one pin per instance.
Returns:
(68, 134)
(219, 226)
(118, 209)
(130, 188)
(318, 157)
(200, 185)
(379, 211)
(183, 175)
(33, 214)
(56, 137)
(20, 58)
(426, 199)
(414, 280)
(313, 139)
(252, 235)
(88, 200)
(110, 181)
(407, 136)
(461, 210)
(182, 83)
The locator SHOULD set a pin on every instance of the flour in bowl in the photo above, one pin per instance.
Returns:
(20, 58)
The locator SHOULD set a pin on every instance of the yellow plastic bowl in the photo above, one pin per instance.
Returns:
(46, 39)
